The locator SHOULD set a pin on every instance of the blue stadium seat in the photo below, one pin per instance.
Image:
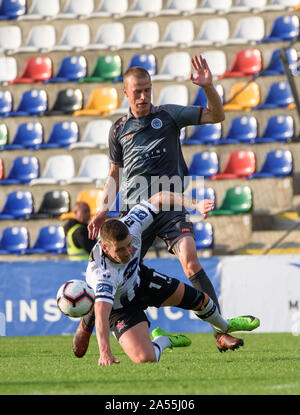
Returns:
(275, 66)
(204, 235)
(6, 103)
(278, 95)
(18, 205)
(12, 9)
(279, 128)
(50, 239)
(22, 170)
(201, 193)
(63, 134)
(242, 130)
(200, 97)
(277, 163)
(14, 240)
(208, 134)
(204, 164)
(71, 69)
(33, 102)
(145, 60)
(29, 135)
(284, 28)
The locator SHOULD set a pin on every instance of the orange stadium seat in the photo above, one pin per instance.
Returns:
(101, 101)
(246, 99)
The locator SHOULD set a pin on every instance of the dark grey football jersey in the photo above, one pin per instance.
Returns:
(148, 148)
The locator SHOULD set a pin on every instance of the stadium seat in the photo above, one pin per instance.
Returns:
(206, 134)
(277, 163)
(175, 65)
(251, 6)
(33, 102)
(50, 239)
(243, 129)
(17, 206)
(204, 235)
(243, 97)
(201, 99)
(173, 94)
(14, 240)
(178, 33)
(204, 164)
(67, 101)
(284, 28)
(144, 8)
(10, 39)
(54, 203)
(143, 35)
(8, 69)
(213, 7)
(42, 9)
(29, 135)
(58, 170)
(275, 66)
(278, 5)
(41, 38)
(279, 95)
(101, 101)
(1, 170)
(239, 165)
(75, 37)
(249, 30)
(178, 7)
(6, 103)
(216, 60)
(110, 36)
(201, 193)
(37, 69)
(3, 139)
(246, 62)
(106, 69)
(94, 168)
(237, 200)
(95, 135)
(146, 61)
(280, 128)
(116, 206)
(23, 169)
(63, 134)
(122, 109)
(77, 9)
(213, 32)
(108, 8)
(71, 69)
(12, 9)
(91, 197)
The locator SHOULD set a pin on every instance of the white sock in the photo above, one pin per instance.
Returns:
(212, 316)
(160, 343)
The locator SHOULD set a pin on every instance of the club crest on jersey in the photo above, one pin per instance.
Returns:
(130, 269)
(156, 123)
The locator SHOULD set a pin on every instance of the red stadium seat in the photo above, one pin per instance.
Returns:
(246, 62)
(240, 164)
(1, 169)
(37, 69)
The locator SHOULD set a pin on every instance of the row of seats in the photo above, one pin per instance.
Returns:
(146, 34)
(241, 164)
(74, 9)
(105, 100)
(109, 68)
(65, 134)
(94, 168)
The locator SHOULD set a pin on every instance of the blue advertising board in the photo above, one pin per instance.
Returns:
(28, 297)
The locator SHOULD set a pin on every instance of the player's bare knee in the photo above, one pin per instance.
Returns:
(144, 357)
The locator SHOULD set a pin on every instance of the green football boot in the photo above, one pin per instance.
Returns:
(177, 340)
(242, 323)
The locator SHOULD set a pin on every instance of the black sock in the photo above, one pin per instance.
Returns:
(201, 282)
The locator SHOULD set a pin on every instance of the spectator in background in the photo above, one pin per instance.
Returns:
(78, 243)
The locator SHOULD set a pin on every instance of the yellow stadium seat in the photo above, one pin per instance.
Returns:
(92, 197)
(246, 99)
(101, 102)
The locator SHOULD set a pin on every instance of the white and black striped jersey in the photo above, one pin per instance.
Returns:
(117, 283)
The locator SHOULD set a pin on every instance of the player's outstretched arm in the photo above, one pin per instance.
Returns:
(110, 192)
(102, 312)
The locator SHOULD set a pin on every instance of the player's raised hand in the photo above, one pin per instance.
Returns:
(95, 225)
(201, 75)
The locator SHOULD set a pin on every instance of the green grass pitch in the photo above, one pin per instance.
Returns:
(268, 364)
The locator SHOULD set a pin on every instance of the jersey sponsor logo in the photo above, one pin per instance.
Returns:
(156, 123)
(130, 269)
(103, 287)
(140, 214)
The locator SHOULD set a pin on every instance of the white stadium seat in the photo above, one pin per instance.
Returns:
(175, 65)
(143, 35)
(249, 30)
(123, 108)
(77, 9)
(74, 37)
(95, 135)
(144, 8)
(214, 6)
(254, 6)
(216, 60)
(179, 33)
(42, 9)
(274, 5)
(108, 8)
(10, 39)
(94, 168)
(179, 7)
(174, 94)
(58, 170)
(110, 36)
(213, 32)
(8, 69)
(41, 38)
